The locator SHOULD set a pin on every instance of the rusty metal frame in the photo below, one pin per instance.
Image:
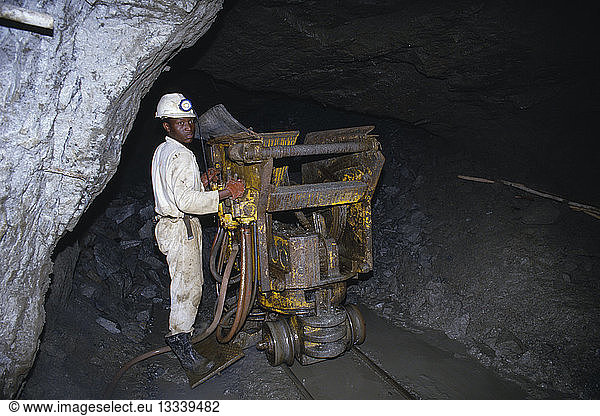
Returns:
(336, 191)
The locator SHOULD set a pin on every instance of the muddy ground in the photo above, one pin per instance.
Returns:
(512, 276)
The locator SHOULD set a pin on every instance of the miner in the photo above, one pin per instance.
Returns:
(181, 193)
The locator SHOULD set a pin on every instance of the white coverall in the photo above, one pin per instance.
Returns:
(178, 190)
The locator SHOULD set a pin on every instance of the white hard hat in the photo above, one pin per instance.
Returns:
(174, 105)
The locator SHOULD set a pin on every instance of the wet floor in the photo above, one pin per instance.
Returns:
(427, 364)
(431, 365)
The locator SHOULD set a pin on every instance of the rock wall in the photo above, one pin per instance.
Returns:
(514, 82)
(68, 102)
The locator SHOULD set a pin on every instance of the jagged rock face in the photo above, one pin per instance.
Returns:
(68, 102)
(512, 81)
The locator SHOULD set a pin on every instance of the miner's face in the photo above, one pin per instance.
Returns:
(180, 129)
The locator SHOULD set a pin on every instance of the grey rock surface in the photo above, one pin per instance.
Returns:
(67, 103)
(109, 325)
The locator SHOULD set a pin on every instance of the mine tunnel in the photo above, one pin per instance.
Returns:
(484, 220)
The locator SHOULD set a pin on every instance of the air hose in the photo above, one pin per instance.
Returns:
(246, 287)
(219, 311)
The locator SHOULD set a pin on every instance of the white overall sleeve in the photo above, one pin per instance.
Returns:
(185, 180)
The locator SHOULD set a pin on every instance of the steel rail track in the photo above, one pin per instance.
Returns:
(303, 390)
(384, 375)
(374, 367)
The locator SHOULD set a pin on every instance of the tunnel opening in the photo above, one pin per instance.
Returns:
(512, 276)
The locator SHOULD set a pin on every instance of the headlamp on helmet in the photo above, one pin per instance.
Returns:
(174, 105)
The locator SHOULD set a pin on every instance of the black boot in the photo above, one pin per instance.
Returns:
(189, 358)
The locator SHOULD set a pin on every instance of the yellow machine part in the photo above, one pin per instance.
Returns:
(290, 302)
(346, 181)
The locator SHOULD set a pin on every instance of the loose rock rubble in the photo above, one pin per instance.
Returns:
(120, 271)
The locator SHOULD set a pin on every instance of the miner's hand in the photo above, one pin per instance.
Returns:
(235, 187)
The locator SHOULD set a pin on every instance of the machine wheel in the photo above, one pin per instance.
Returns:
(323, 335)
(324, 350)
(278, 342)
(326, 320)
(356, 324)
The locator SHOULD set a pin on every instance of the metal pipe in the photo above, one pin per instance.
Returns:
(314, 149)
(252, 152)
(251, 274)
(27, 17)
(254, 264)
(248, 273)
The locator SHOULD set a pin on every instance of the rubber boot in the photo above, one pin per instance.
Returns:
(190, 359)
